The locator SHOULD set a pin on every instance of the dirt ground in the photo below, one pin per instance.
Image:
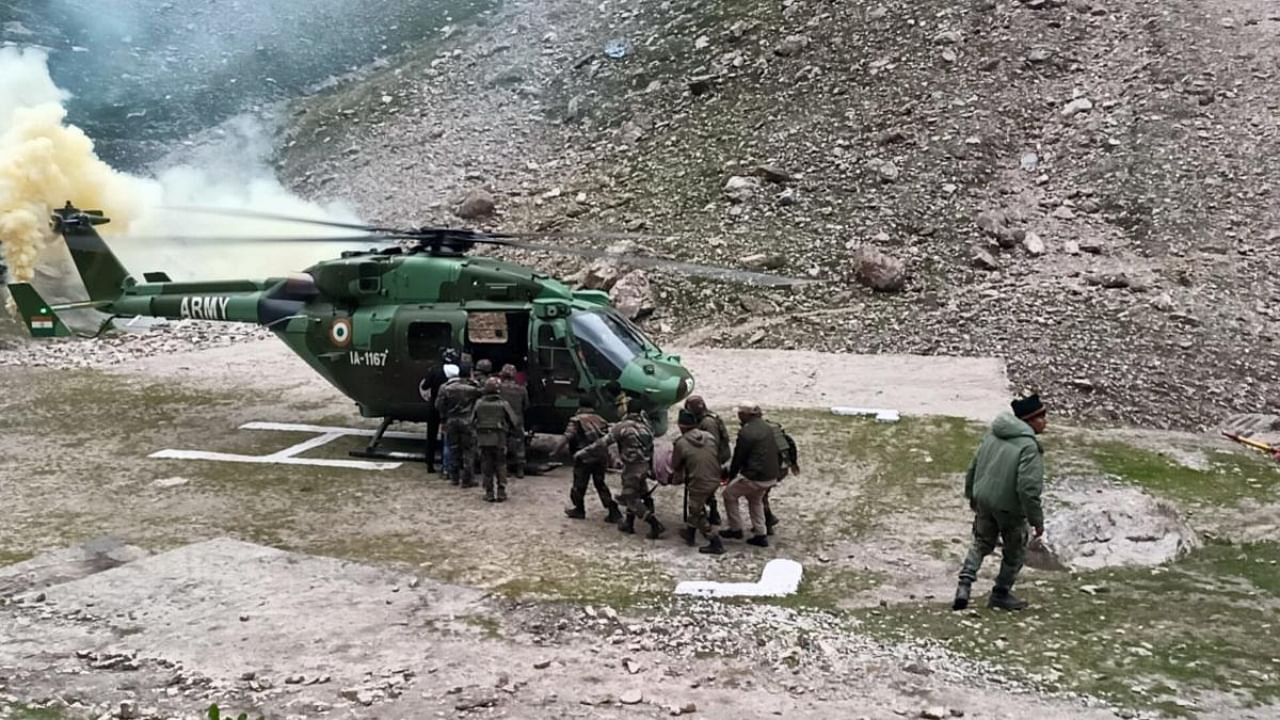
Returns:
(876, 519)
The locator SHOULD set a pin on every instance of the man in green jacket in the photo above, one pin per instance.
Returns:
(1003, 487)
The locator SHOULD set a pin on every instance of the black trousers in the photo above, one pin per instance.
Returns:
(433, 433)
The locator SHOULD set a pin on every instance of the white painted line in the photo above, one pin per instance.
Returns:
(306, 445)
(270, 459)
(366, 432)
(780, 577)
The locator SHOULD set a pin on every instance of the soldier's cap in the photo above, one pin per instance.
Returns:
(695, 401)
(509, 371)
(750, 408)
(686, 419)
(484, 365)
(491, 386)
(1028, 407)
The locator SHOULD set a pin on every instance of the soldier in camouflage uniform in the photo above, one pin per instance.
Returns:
(457, 398)
(484, 370)
(493, 422)
(518, 398)
(584, 429)
(634, 440)
(711, 423)
(694, 464)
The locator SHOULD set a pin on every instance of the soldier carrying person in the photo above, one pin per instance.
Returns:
(694, 464)
(493, 422)
(634, 440)
(711, 423)
(582, 432)
(755, 458)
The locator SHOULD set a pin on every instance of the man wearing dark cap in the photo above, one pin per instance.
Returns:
(694, 464)
(711, 422)
(1003, 486)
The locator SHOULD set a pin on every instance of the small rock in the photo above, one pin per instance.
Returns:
(480, 701)
(128, 710)
(476, 205)
(788, 197)
(1030, 161)
(295, 680)
(686, 709)
(631, 697)
(631, 666)
(791, 45)
(936, 712)
(1091, 248)
(633, 296)
(1033, 244)
(1082, 384)
(1062, 212)
(762, 261)
(1039, 55)
(1110, 281)
(916, 668)
(1077, 106)
(888, 172)
(244, 618)
(741, 188)
(947, 37)
(773, 174)
(414, 582)
(542, 665)
(879, 271)
(893, 136)
(983, 260)
(171, 482)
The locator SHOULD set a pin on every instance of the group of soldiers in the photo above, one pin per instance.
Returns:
(482, 414)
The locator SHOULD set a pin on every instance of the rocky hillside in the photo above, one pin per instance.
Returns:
(1084, 188)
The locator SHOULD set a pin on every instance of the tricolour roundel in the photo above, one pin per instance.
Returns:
(340, 332)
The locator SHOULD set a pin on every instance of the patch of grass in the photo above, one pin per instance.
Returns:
(827, 588)
(19, 711)
(1152, 638)
(1229, 478)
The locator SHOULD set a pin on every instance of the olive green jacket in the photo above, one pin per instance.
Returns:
(755, 455)
(1007, 473)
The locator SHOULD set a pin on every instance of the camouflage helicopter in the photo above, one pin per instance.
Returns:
(374, 322)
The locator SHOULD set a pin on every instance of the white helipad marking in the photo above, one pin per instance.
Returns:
(885, 416)
(289, 455)
(780, 577)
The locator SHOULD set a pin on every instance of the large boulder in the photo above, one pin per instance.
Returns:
(633, 296)
(879, 271)
(478, 204)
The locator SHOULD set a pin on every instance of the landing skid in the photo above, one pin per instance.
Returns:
(532, 466)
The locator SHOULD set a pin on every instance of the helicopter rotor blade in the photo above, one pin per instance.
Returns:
(228, 239)
(708, 271)
(228, 212)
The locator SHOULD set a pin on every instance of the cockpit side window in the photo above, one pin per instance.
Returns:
(604, 344)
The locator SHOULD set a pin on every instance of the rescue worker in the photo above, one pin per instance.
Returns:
(634, 440)
(518, 398)
(711, 422)
(457, 399)
(788, 464)
(695, 465)
(484, 370)
(493, 422)
(755, 457)
(429, 389)
(583, 430)
(1003, 486)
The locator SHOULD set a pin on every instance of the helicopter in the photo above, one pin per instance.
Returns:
(374, 322)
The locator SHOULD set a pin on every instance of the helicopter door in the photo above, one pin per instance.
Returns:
(422, 336)
(559, 375)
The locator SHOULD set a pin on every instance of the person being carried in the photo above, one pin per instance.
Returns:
(634, 440)
(755, 457)
(1003, 485)
(493, 422)
(695, 465)
(582, 432)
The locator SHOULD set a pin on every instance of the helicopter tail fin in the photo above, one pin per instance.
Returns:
(103, 275)
(41, 320)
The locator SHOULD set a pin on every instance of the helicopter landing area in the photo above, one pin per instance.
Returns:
(291, 455)
(972, 388)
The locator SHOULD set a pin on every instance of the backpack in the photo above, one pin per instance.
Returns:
(788, 452)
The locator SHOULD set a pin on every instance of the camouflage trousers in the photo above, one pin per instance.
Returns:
(701, 499)
(635, 490)
(988, 526)
(493, 467)
(590, 473)
(462, 450)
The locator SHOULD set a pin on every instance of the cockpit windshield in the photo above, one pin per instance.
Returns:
(605, 342)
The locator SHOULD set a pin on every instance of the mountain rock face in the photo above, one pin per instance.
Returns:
(1019, 157)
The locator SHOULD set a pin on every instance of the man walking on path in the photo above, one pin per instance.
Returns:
(1003, 486)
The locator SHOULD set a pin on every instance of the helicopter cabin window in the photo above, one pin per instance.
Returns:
(605, 344)
(428, 339)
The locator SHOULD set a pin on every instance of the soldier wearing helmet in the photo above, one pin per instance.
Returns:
(493, 422)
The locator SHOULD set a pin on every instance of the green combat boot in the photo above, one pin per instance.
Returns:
(962, 596)
(628, 524)
(714, 546)
(576, 513)
(1002, 599)
(613, 516)
(690, 536)
(655, 528)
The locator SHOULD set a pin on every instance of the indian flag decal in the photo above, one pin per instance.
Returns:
(42, 323)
